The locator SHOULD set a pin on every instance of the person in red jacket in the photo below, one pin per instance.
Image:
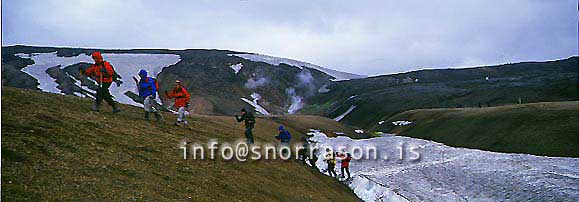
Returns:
(181, 96)
(345, 163)
(104, 74)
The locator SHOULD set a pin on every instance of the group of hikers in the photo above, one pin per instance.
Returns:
(104, 74)
(331, 157)
(148, 88)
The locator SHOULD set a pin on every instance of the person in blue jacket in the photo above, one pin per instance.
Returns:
(284, 136)
(148, 87)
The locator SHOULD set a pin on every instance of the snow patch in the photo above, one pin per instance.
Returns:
(126, 65)
(237, 67)
(359, 131)
(258, 108)
(339, 118)
(401, 123)
(352, 97)
(324, 89)
(43, 61)
(381, 122)
(299, 64)
(445, 173)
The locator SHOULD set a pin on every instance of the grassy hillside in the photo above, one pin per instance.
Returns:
(549, 128)
(55, 149)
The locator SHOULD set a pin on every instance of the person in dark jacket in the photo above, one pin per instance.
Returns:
(104, 74)
(284, 136)
(249, 121)
(148, 91)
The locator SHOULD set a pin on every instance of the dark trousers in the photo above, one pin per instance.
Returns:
(103, 93)
(331, 170)
(249, 135)
(347, 169)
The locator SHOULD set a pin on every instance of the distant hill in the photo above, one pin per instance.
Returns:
(546, 128)
(55, 149)
(377, 98)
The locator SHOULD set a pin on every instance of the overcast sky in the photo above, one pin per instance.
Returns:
(364, 37)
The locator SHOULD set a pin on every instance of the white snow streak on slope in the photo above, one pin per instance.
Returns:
(43, 61)
(237, 67)
(445, 173)
(255, 105)
(401, 123)
(126, 65)
(276, 61)
(339, 118)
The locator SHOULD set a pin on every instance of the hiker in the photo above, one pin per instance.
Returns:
(331, 161)
(345, 163)
(148, 91)
(249, 123)
(181, 96)
(313, 158)
(308, 154)
(304, 153)
(104, 74)
(284, 136)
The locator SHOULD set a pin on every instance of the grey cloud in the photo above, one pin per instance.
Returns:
(364, 37)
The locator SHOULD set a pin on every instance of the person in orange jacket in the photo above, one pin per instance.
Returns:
(104, 74)
(181, 96)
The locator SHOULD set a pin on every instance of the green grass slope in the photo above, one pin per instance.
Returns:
(55, 149)
(548, 128)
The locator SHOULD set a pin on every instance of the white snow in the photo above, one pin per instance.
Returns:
(78, 94)
(324, 89)
(339, 118)
(381, 122)
(299, 64)
(43, 61)
(401, 123)
(237, 67)
(126, 65)
(352, 97)
(79, 84)
(359, 131)
(444, 173)
(258, 108)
